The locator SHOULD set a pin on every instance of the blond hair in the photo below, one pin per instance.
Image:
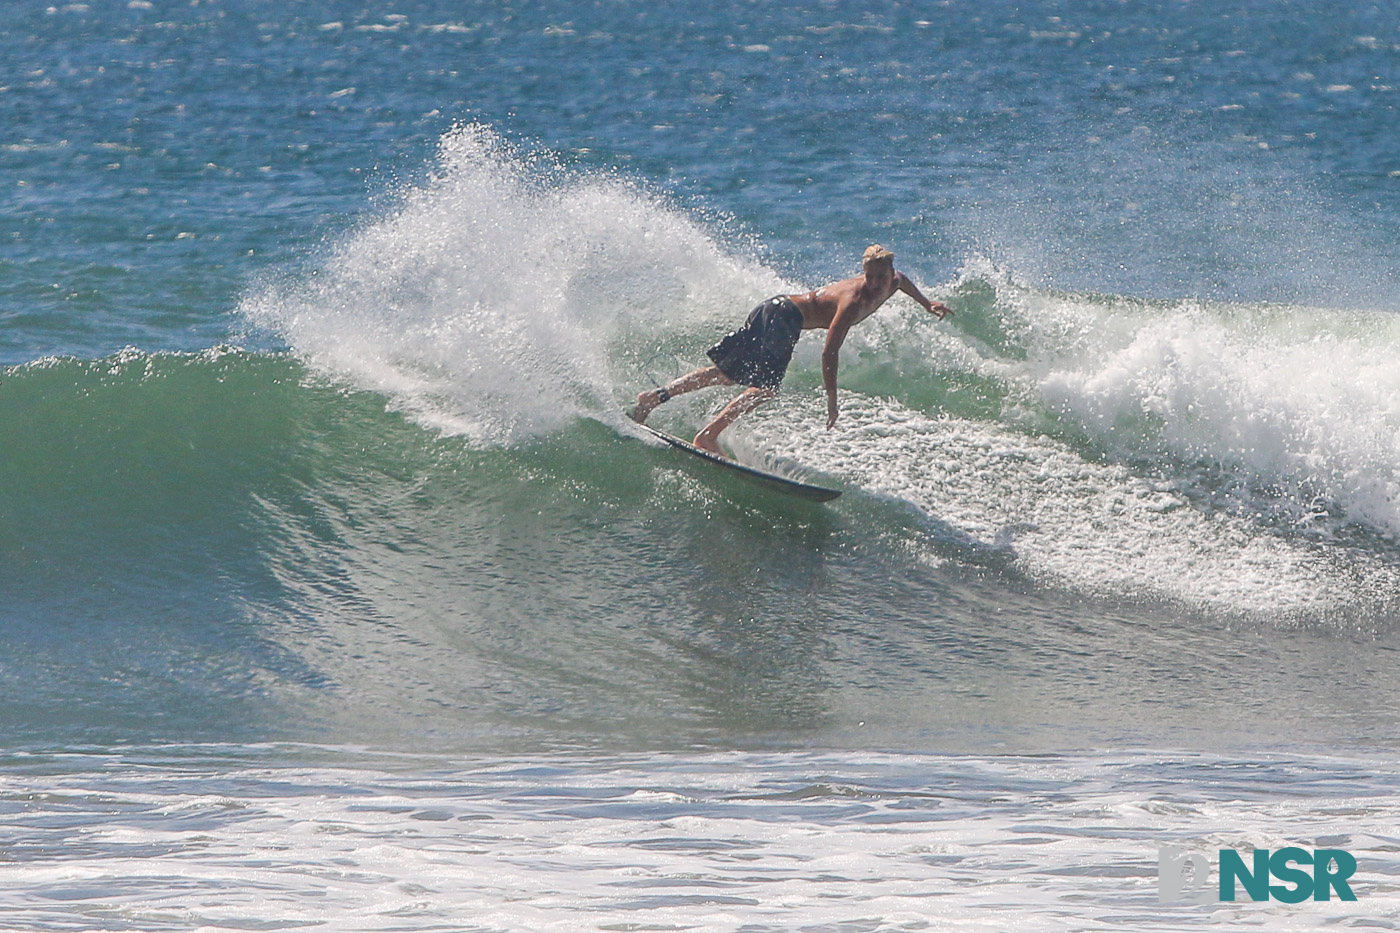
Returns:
(876, 253)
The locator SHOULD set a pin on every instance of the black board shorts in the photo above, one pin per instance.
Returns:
(758, 353)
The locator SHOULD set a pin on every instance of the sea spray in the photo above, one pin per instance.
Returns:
(508, 295)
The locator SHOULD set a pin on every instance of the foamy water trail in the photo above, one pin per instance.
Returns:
(1072, 523)
(507, 296)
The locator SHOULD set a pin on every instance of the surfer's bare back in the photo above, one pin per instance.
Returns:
(757, 354)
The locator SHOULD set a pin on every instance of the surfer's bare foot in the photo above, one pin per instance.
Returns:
(647, 403)
(705, 442)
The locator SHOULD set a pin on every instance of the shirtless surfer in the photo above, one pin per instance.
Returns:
(757, 354)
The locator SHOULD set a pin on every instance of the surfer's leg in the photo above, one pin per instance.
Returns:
(700, 379)
(747, 401)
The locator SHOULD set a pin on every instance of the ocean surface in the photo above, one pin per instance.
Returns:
(337, 592)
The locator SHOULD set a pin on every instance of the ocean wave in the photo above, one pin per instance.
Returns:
(508, 299)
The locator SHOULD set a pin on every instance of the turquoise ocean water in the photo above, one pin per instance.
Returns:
(336, 593)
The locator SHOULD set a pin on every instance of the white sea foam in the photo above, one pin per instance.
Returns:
(704, 842)
(496, 300)
(1298, 403)
(1070, 522)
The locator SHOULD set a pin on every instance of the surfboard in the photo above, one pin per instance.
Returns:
(764, 478)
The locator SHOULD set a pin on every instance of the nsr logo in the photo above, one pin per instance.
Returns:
(1184, 877)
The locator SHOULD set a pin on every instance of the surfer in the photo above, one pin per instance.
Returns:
(757, 354)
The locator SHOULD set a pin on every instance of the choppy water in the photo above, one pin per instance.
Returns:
(317, 326)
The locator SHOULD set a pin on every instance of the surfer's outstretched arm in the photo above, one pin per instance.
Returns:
(835, 336)
(909, 288)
